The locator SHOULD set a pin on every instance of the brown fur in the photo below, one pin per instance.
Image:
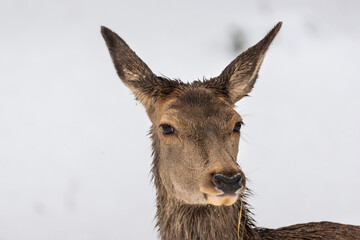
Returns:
(203, 143)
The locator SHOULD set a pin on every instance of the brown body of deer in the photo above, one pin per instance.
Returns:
(195, 135)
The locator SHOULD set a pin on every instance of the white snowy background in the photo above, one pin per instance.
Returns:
(74, 151)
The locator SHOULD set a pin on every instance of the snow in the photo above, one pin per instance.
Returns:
(74, 151)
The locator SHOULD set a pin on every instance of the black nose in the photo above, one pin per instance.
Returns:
(226, 184)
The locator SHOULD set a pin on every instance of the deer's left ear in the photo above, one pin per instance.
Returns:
(239, 77)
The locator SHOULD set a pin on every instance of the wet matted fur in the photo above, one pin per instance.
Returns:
(195, 137)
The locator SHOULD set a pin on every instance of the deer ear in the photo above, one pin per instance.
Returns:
(135, 74)
(239, 77)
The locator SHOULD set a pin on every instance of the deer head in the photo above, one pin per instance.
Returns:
(195, 129)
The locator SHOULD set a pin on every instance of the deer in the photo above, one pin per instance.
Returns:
(201, 190)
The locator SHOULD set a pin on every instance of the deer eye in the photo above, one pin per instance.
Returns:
(167, 129)
(237, 127)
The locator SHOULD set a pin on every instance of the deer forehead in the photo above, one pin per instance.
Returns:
(197, 109)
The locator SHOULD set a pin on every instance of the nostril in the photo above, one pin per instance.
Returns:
(218, 183)
(223, 179)
(237, 178)
(227, 184)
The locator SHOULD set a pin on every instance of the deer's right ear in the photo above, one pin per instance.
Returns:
(135, 74)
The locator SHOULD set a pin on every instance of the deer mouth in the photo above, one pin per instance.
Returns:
(217, 197)
(226, 199)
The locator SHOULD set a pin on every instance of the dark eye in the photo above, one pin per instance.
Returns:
(167, 129)
(237, 127)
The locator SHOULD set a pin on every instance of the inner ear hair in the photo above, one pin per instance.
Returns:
(133, 72)
(238, 78)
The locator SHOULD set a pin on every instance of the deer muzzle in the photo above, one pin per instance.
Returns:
(229, 185)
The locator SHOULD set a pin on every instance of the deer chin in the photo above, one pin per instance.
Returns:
(223, 199)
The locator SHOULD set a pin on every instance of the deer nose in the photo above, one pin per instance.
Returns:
(226, 184)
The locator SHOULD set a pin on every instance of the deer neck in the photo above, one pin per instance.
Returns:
(178, 220)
